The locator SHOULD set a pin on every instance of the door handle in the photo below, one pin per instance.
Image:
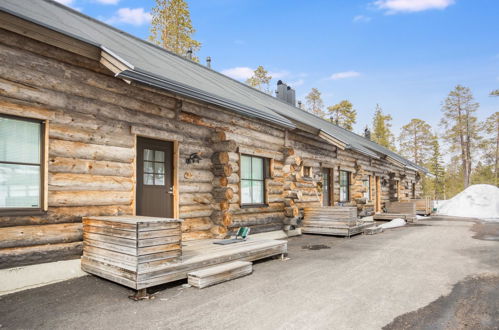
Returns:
(170, 191)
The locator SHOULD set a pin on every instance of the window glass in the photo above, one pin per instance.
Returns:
(367, 192)
(20, 163)
(19, 141)
(245, 167)
(149, 155)
(256, 168)
(344, 186)
(252, 180)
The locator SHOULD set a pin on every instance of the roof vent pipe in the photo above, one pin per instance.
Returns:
(208, 62)
(189, 54)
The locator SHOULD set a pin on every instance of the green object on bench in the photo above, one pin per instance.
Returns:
(241, 235)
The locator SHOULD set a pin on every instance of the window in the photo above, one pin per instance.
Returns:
(253, 174)
(367, 187)
(21, 162)
(154, 167)
(307, 171)
(344, 186)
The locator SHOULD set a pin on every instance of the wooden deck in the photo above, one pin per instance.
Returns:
(196, 255)
(333, 220)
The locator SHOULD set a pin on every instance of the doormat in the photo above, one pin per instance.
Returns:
(315, 247)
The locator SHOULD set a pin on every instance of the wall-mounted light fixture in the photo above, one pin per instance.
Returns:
(193, 158)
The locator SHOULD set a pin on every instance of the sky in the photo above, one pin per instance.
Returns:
(405, 55)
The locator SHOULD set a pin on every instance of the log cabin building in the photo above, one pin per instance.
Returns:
(94, 121)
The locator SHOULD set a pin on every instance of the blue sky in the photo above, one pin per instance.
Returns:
(405, 55)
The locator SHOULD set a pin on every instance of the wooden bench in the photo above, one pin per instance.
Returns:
(336, 220)
(219, 273)
(402, 210)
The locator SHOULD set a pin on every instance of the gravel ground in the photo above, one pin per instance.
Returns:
(430, 275)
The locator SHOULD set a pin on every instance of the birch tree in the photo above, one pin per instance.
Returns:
(381, 132)
(171, 27)
(342, 114)
(260, 80)
(416, 141)
(315, 104)
(462, 130)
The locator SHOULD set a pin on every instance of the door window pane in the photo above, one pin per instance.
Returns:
(159, 168)
(148, 178)
(148, 167)
(159, 179)
(159, 156)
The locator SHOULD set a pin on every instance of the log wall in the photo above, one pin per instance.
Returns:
(94, 119)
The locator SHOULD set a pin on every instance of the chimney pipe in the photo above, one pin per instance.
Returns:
(299, 104)
(208, 62)
(189, 54)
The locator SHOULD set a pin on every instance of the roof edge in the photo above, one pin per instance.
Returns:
(197, 94)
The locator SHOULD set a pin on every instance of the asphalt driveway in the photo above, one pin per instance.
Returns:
(409, 277)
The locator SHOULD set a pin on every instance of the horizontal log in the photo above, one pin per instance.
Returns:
(24, 109)
(93, 167)
(60, 148)
(89, 198)
(114, 137)
(37, 235)
(195, 198)
(229, 146)
(84, 182)
(220, 157)
(195, 187)
(196, 224)
(189, 175)
(22, 256)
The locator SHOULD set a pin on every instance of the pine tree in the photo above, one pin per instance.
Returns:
(260, 79)
(381, 133)
(436, 167)
(462, 130)
(416, 141)
(491, 144)
(314, 103)
(342, 114)
(171, 27)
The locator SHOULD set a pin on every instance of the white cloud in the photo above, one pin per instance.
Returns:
(66, 2)
(361, 19)
(240, 72)
(108, 2)
(133, 16)
(344, 75)
(407, 6)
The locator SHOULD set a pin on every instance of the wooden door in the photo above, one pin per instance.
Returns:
(154, 178)
(327, 187)
(377, 203)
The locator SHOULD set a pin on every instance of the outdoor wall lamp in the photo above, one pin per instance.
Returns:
(193, 158)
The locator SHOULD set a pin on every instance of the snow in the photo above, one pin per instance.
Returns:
(478, 201)
(397, 222)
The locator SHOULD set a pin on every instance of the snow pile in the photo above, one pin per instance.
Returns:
(421, 217)
(477, 201)
(397, 222)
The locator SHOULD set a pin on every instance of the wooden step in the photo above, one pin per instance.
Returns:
(219, 273)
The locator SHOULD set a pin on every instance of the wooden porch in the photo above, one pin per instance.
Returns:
(137, 271)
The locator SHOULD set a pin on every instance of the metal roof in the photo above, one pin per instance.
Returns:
(155, 66)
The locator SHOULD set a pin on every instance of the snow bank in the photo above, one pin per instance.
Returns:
(477, 201)
(397, 222)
